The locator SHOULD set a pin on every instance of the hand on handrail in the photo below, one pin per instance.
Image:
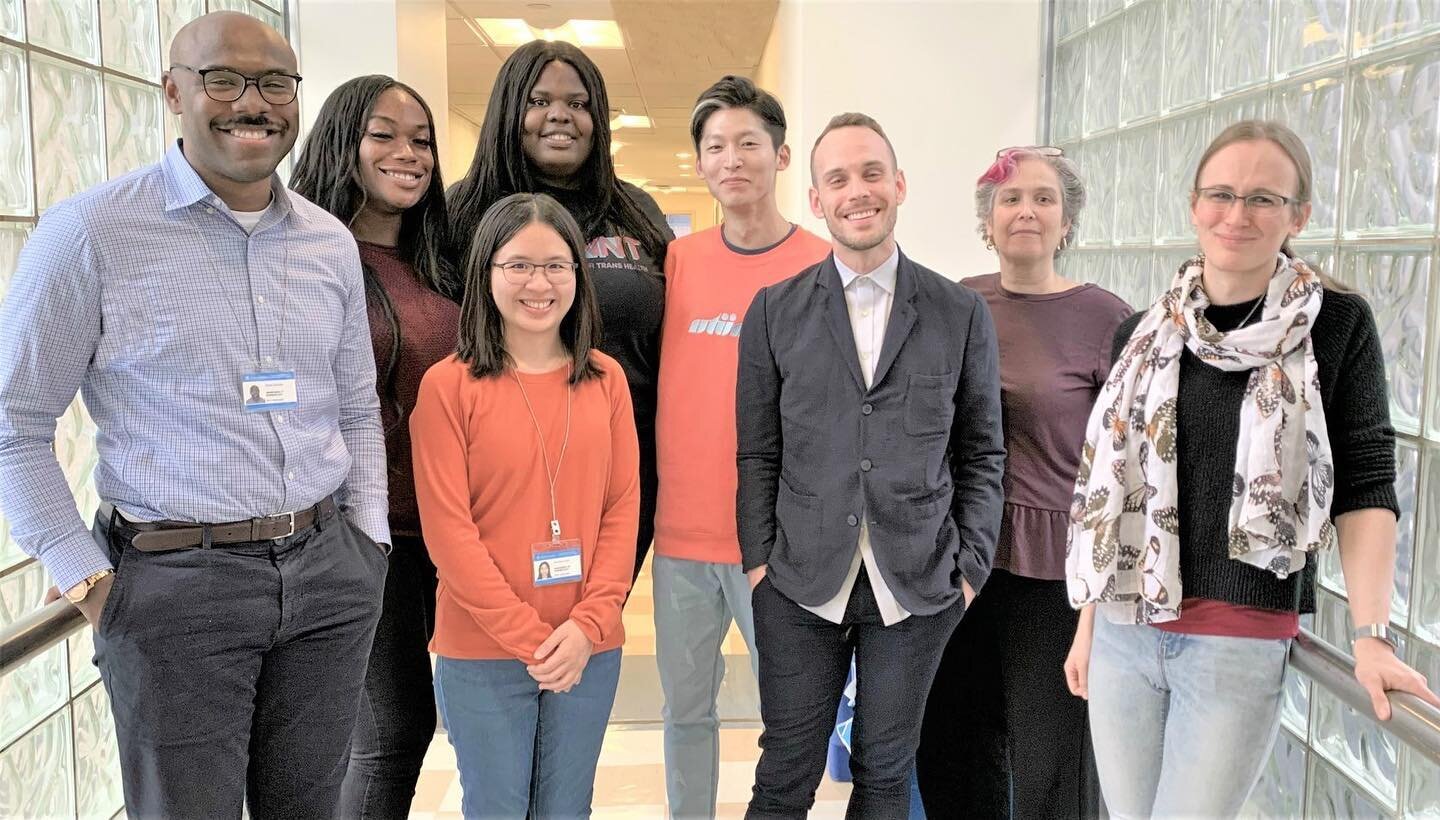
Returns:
(1380, 671)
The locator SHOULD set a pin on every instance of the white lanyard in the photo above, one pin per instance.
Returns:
(544, 457)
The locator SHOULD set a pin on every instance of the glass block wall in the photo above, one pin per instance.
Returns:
(1139, 88)
(80, 103)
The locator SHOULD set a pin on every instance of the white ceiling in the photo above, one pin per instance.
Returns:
(674, 50)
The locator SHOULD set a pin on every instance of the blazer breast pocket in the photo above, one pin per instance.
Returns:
(930, 403)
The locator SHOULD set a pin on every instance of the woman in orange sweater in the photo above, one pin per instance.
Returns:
(527, 476)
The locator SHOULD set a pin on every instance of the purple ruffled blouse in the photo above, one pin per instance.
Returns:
(1054, 356)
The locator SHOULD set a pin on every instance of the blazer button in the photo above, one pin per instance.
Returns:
(852, 520)
(865, 464)
(866, 409)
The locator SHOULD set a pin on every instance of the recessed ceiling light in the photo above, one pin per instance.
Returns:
(684, 166)
(629, 121)
(683, 155)
(615, 146)
(512, 31)
(505, 31)
(685, 175)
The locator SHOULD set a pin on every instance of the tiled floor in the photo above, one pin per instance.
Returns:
(630, 783)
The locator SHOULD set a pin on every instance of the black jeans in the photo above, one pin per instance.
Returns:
(804, 660)
(234, 672)
(1001, 725)
(649, 490)
(396, 721)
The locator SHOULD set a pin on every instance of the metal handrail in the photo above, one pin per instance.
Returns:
(37, 632)
(1413, 721)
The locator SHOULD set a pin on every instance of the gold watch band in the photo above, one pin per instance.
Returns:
(78, 593)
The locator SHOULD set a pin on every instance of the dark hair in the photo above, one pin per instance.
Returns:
(739, 92)
(482, 330)
(851, 120)
(500, 167)
(328, 174)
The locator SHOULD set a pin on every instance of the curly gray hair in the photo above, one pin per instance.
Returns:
(1072, 190)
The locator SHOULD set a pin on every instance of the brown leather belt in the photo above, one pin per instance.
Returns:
(158, 536)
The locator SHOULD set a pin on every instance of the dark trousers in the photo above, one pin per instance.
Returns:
(804, 660)
(649, 489)
(396, 721)
(1000, 725)
(234, 672)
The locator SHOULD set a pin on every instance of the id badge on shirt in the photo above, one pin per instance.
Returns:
(269, 391)
(555, 562)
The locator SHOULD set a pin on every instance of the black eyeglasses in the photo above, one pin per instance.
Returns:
(224, 85)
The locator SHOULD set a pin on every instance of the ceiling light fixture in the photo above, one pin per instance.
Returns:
(629, 121)
(512, 31)
(683, 155)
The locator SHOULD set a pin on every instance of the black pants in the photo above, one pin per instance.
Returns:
(396, 721)
(1000, 723)
(234, 672)
(649, 489)
(804, 660)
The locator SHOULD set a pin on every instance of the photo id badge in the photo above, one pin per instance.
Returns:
(269, 391)
(555, 562)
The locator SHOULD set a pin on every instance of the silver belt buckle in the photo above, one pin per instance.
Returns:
(292, 528)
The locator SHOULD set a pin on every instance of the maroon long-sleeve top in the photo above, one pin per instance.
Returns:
(429, 326)
(1054, 356)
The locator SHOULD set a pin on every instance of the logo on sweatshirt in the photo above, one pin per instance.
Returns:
(722, 325)
(614, 247)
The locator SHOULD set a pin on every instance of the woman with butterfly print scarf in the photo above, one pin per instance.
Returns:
(1003, 737)
(1244, 427)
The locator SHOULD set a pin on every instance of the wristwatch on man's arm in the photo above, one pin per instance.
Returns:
(78, 593)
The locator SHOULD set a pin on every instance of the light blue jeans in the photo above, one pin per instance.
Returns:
(522, 752)
(694, 604)
(1182, 724)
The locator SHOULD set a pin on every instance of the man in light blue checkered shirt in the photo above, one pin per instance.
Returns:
(216, 326)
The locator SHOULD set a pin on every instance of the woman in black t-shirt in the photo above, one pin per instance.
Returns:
(547, 130)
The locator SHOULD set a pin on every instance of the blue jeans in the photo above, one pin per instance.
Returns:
(1182, 724)
(522, 752)
(694, 603)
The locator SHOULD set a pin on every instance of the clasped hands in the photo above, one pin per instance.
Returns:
(562, 658)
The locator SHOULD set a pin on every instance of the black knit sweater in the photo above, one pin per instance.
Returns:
(1357, 415)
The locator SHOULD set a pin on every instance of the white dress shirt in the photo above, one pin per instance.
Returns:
(867, 299)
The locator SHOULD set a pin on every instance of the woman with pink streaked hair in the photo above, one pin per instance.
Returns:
(1003, 735)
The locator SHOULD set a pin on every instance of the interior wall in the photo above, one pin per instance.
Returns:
(951, 83)
(396, 38)
(458, 149)
(367, 29)
(702, 208)
(781, 73)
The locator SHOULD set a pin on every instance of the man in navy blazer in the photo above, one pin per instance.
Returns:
(870, 456)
